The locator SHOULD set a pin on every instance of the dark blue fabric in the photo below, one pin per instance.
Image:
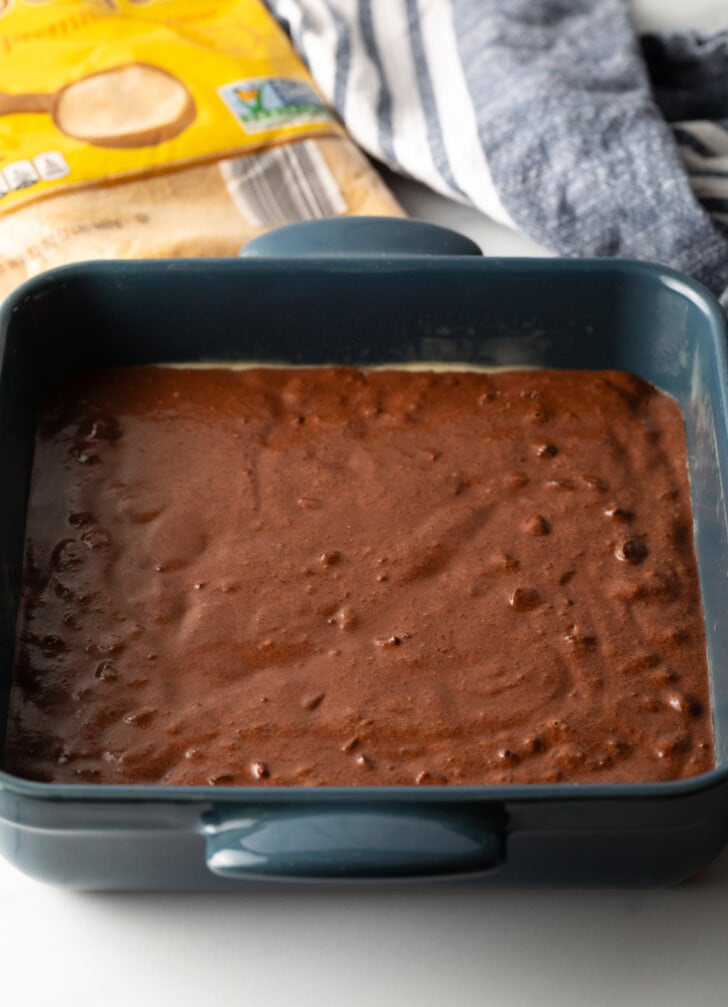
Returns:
(580, 154)
(598, 143)
(689, 74)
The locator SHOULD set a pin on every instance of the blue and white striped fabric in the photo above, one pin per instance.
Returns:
(541, 113)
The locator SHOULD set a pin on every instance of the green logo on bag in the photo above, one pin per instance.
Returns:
(266, 102)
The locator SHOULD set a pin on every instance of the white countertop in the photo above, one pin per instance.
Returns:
(464, 948)
(413, 947)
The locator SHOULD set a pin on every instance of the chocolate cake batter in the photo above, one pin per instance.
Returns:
(331, 576)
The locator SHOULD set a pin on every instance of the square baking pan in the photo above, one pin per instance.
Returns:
(368, 291)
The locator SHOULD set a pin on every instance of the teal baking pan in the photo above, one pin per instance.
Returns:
(369, 291)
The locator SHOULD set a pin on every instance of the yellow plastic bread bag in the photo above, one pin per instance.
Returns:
(152, 128)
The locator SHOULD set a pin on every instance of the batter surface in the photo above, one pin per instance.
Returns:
(331, 576)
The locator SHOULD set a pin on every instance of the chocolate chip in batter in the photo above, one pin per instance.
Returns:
(546, 450)
(633, 550)
(524, 599)
(537, 525)
(618, 513)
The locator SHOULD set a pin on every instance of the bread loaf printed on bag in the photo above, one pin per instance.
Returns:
(161, 130)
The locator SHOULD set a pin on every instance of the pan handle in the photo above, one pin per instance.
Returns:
(320, 842)
(379, 237)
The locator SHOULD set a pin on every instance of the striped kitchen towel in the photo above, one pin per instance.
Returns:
(548, 115)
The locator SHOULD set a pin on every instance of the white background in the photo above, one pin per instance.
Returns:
(375, 949)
